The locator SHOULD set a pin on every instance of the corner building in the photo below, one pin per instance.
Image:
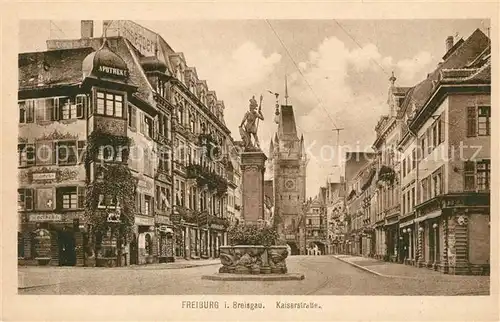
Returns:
(128, 86)
(445, 173)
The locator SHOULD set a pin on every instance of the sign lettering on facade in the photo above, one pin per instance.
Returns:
(44, 176)
(144, 221)
(144, 40)
(113, 71)
(45, 217)
(162, 219)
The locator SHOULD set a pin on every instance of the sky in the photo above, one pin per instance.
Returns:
(337, 70)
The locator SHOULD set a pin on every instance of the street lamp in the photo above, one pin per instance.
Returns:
(404, 230)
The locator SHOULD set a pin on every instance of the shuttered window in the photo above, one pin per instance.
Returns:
(469, 175)
(471, 121)
(24, 199)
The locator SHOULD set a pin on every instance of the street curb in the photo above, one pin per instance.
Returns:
(372, 271)
(363, 268)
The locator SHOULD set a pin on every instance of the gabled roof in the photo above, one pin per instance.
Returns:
(54, 68)
(461, 55)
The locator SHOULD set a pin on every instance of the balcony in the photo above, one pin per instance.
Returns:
(206, 177)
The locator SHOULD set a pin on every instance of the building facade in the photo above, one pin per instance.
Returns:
(388, 184)
(316, 229)
(448, 124)
(360, 170)
(336, 216)
(120, 86)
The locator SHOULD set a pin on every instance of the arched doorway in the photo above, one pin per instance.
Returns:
(321, 247)
(293, 248)
(134, 251)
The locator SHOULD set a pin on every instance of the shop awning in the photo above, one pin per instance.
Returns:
(431, 215)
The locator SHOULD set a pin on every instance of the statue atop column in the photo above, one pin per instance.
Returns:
(250, 124)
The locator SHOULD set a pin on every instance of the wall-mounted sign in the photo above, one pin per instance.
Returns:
(143, 221)
(112, 71)
(44, 176)
(141, 38)
(45, 217)
(162, 219)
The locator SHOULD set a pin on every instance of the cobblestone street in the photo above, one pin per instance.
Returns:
(324, 275)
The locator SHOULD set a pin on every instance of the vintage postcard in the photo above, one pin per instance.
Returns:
(251, 167)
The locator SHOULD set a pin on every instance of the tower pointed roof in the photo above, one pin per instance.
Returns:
(287, 129)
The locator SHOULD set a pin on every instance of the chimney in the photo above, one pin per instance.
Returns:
(87, 29)
(449, 43)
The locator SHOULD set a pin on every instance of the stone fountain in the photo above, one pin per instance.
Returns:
(253, 262)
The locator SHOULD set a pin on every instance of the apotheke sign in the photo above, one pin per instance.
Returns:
(113, 71)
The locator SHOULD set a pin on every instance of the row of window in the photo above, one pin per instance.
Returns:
(477, 177)
(63, 198)
(197, 199)
(52, 109)
(409, 200)
(432, 185)
(387, 198)
(50, 153)
(67, 108)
